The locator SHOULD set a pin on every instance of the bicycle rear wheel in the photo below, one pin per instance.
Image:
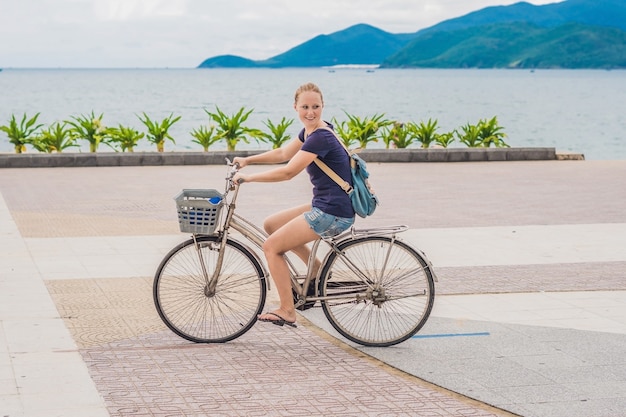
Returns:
(383, 291)
(187, 307)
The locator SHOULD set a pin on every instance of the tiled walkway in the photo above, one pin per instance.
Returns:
(524, 250)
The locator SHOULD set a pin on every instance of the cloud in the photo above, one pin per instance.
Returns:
(120, 10)
(182, 33)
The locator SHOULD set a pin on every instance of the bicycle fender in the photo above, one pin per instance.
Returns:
(428, 263)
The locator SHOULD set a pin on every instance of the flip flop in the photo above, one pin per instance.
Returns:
(280, 322)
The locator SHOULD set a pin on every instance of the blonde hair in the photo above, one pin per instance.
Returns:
(308, 87)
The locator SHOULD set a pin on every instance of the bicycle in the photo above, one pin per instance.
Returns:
(374, 289)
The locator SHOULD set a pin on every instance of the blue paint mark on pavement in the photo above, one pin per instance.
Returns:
(432, 336)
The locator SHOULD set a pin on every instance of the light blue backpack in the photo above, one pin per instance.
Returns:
(364, 201)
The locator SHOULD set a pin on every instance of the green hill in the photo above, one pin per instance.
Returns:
(358, 44)
(608, 13)
(515, 45)
(228, 61)
(566, 34)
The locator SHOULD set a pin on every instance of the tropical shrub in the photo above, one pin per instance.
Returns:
(277, 135)
(89, 128)
(469, 135)
(205, 137)
(482, 135)
(343, 132)
(158, 132)
(425, 133)
(400, 135)
(126, 138)
(490, 133)
(56, 137)
(444, 139)
(231, 128)
(392, 134)
(363, 130)
(19, 135)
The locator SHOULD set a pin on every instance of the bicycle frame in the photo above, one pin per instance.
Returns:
(257, 236)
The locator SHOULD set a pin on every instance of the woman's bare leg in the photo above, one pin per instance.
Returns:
(278, 220)
(296, 233)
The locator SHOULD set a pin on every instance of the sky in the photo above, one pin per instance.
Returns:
(183, 33)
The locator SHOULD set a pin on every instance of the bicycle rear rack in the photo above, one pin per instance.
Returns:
(375, 231)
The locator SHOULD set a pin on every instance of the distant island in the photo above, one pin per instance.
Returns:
(573, 34)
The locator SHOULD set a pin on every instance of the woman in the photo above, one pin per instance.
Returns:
(330, 211)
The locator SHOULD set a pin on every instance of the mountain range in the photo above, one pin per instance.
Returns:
(569, 34)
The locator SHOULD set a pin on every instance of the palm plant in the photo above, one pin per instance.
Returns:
(365, 130)
(401, 135)
(125, 137)
(426, 133)
(205, 137)
(231, 128)
(277, 136)
(158, 132)
(343, 132)
(89, 128)
(469, 135)
(491, 133)
(56, 137)
(444, 139)
(19, 135)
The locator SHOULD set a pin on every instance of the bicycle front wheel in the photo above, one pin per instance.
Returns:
(380, 291)
(187, 305)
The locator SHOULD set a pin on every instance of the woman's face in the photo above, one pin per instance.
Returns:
(309, 107)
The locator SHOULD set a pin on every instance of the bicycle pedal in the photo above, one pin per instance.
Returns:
(306, 306)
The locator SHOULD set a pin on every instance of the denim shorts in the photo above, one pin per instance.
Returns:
(326, 225)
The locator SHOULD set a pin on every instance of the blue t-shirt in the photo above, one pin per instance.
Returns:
(327, 195)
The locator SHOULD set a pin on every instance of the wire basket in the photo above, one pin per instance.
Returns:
(196, 214)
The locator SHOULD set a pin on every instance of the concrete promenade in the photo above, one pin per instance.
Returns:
(529, 318)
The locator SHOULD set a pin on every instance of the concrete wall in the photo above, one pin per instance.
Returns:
(42, 160)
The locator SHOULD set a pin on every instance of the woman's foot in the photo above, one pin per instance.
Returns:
(279, 318)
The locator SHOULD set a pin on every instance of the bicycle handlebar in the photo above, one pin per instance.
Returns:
(234, 169)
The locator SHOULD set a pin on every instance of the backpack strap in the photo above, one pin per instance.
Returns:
(350, 153)
(332, 174)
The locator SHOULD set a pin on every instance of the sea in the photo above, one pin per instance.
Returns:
(578, 111)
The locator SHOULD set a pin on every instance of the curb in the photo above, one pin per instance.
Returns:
(110, 159)
(106, 159)
(459, 154)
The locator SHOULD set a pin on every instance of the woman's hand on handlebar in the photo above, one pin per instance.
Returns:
(239, 178)
(240, 161)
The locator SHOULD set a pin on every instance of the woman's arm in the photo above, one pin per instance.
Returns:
(275, 156)
(297, 164)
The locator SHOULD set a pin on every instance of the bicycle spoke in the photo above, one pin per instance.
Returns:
(187, 306)
(387, 288)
